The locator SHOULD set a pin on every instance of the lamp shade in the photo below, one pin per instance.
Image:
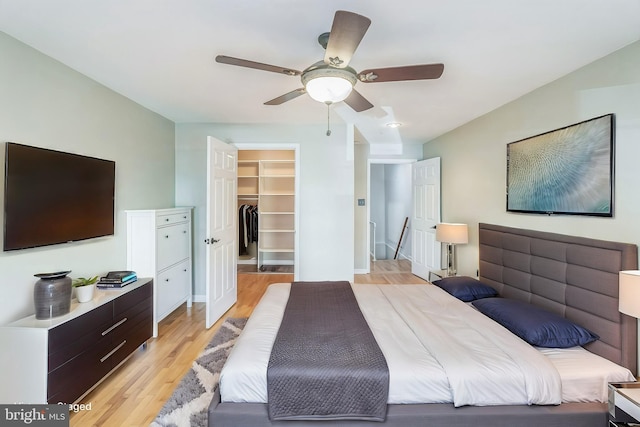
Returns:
(329, 89)
(629, 296)
(452, 233)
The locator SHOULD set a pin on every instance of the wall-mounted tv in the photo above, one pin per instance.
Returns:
(53, 197)
(565, 171)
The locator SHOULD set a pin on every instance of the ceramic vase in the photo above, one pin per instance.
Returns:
(52, 294)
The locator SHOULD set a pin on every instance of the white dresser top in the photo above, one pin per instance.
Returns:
(101, 296)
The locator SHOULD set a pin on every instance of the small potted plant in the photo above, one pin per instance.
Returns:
(84, 288)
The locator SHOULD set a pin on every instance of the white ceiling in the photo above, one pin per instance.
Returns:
(160, 53)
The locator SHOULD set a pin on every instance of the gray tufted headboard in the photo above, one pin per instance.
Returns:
(576, 277)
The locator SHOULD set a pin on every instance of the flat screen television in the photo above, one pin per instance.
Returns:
(53, 197)
(565, 171)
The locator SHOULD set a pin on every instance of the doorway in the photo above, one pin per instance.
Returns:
(268, 182)
(390, 200)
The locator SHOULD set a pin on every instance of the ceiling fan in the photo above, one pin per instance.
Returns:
(332, 80)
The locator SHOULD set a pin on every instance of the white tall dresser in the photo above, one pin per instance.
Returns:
(159, 246)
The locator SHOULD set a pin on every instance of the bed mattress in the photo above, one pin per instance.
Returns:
(404, 320)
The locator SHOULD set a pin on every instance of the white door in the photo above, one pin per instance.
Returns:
(426, 251)
(221, 238)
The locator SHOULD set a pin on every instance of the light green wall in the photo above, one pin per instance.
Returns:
(361, 223)
(474, 155)
(46, 104)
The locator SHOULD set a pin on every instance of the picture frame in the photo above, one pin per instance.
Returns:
(567, 171)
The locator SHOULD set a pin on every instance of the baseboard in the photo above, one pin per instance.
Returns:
(360, 271)
(199, 298)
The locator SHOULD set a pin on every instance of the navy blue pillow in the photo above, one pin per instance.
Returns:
(534, 325)
(465, 288)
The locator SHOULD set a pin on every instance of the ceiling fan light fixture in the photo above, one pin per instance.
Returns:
(329, 89)
(328, 85)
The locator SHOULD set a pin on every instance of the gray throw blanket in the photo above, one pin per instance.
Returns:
(325, 363)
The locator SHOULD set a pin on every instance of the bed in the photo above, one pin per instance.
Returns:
(572, 276)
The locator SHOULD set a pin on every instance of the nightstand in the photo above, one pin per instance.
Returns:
(624, 403)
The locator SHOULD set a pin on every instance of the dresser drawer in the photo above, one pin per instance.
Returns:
(131, 299)
(139, 331)
(90, 324)
(69, 381)
(172, 218)
(173, 287)
(173, 245)
(130, 319)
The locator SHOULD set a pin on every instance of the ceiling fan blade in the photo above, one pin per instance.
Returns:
(256, 65)
(286, 97)
(347, 31)
(358, 102)
(395, 74)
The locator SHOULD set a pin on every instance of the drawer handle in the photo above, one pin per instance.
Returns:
(166, 280)
(166, 219)
(114, 326)
(108, 355)
(166, 236)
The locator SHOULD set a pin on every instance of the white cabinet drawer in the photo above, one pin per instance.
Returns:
(173, 244)
(172, 218)
(173, 287)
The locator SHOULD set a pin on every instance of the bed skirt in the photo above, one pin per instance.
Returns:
(431, 414)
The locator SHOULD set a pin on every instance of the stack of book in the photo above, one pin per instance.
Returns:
(117, 279)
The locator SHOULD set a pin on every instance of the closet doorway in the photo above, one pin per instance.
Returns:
(268, 199)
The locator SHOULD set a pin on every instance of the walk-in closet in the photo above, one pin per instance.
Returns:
(266, 210)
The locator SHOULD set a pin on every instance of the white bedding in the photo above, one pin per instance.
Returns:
(480, 364)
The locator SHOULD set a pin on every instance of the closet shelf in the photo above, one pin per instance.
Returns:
(265, 161)
(276, 213)
(276, 250)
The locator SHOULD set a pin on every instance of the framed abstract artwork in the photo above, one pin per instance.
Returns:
(564, 171)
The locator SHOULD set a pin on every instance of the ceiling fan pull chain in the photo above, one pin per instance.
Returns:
(328, 115)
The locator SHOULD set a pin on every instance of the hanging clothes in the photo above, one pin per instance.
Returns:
(247, 227)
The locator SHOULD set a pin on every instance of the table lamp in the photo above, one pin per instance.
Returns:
(629, 296)
(452, 234)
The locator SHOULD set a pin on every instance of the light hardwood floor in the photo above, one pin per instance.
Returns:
(134, 394)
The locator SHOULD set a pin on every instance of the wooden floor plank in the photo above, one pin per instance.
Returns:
(134, 394)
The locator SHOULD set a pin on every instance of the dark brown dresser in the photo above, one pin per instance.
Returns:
(60, 360)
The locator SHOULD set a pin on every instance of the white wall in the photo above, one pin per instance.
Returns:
(474, 155)
(47, 104)
(326, 216)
